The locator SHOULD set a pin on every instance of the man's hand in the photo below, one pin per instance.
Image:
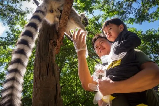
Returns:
(79, 40)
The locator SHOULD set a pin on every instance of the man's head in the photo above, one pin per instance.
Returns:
(101, 45)
(112, 28)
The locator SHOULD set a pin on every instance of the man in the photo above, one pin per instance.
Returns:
(146, 79)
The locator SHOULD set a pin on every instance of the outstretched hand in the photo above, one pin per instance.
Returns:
(79, 40)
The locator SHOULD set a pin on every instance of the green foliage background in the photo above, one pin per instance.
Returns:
(72, 93)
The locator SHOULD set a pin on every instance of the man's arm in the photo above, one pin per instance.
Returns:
(146, 79)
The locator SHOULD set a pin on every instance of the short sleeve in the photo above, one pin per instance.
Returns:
(141, 57)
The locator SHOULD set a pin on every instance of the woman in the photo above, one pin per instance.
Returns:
(146, 79)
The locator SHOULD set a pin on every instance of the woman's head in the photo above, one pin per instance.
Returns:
(101, 45)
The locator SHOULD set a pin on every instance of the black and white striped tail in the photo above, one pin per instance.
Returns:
(12, 88)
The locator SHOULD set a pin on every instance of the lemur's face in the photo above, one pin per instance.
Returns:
(53, 15)
(112, 31)
(54, 9)
(102, 47)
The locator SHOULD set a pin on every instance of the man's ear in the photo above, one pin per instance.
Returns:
(121, 27)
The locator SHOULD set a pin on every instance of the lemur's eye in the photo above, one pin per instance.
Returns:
(60, 11)
(51, 11)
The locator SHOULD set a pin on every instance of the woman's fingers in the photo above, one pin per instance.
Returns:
(84, 37)
(78, 33)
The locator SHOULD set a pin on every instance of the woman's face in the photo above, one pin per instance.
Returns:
(102, 47)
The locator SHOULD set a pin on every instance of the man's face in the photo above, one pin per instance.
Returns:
(102, 47)
(112, 31)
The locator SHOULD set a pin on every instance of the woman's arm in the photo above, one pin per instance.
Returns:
(83, 71)
(146, 79)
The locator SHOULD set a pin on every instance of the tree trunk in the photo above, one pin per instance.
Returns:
(46, 88)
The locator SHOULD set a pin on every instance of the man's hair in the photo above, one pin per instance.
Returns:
(115, 21)
(100, 35)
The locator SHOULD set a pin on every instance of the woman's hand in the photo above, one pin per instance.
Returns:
(79, 40)
(107, 86)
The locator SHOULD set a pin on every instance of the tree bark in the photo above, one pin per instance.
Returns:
(46, 88)
(63, 22)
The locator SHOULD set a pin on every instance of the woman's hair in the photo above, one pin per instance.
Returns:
(99, 35)
(115, 21)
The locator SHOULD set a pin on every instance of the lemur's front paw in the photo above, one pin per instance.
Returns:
(84, 19)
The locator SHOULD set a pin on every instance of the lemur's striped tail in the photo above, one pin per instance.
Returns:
(12, 88)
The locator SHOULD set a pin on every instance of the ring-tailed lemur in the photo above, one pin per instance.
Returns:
(50, 10)
(75, 20)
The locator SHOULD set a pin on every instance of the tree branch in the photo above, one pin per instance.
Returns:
(63, 22)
